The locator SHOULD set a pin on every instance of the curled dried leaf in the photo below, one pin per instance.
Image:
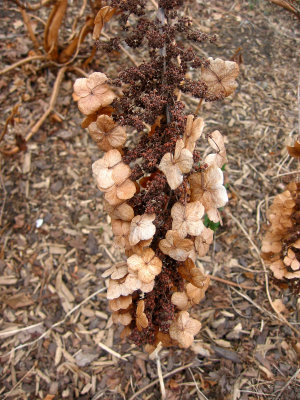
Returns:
(193, 132)
(192, 274)
(203, 241)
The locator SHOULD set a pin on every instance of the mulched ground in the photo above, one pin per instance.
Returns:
(57, 340)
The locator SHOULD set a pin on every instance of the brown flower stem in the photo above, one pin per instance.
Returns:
(230, 283)
(199, 106)
(31, 7)
(29, 28)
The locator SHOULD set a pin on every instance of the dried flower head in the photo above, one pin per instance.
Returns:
(92, 93)
(192, 274)
(117, 271)
(207, 187)
(184, 328)
(174, 166)
(122, 211)
(191, 296)
(120, 192)
(219, 77)
(141, 228)
(121, 231)
(193, 132)
(141, 318)
(216, 141)
(147, 265)
(121, 317)
(203, 241)
(121, 303)
(187, 218)
(110, 170)
(106, 133)
(177, 248)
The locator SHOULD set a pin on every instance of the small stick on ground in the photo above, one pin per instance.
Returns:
(111, 351)
(287, 384)
(4, 196)
(21, 62)
(239, 285)
(175, 371)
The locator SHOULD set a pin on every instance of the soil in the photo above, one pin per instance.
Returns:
(57, 340)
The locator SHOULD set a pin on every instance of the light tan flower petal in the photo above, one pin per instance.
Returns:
(123, 318)
(180, 300)
(122, 211)
(141, 318)
(142, 228)
(147, 266)
(192, 274)
(117, 194)
(106, 133)
(117, 289)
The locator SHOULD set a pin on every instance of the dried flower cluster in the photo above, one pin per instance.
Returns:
(158, 192)
(281, 244)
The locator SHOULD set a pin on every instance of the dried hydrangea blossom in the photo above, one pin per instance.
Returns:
(280, 246)
(191, 296)
(203, 241)
(207, 187)
(92, 93)
(141, 318)
(219, 77)
(147, 265)
(148, 182)
(141, 228)
(193, 132)
(184, 328)
(174, 166)
(121, 303)
(176, 247)
(187, 219)
(216, 140)
(106, 133)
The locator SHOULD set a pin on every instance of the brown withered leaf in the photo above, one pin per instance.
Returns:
(52, 28)
(66, 54)
(294, 151)
(103, 15)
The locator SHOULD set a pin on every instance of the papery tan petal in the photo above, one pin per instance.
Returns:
(142, 228)
(117, 289)
(123, 318)
(183, 329)
(121, 303)
(123, 211)
(120, 173)
(126, 190)
(180, 300)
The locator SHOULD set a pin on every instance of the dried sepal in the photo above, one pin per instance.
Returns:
(121, 231)
(174, 166)
(121, 303)
(176, 247)
(216, 141)
(122, 211)
(187, 219)
(106, 133)
(141, 318)
(134, 283)
(92, 93)
(294, 151)
(203, 241)
(193, 132)
(219, 76)
(142, 228)
(193, 275)
(207, 187)
(191, 296)
(117, 288)
(146, 265)
(184, 328)
(119, 193)
(121, 317)
(117, 271)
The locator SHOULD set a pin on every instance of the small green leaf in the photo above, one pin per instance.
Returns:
(210, 224)
(223, 167)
